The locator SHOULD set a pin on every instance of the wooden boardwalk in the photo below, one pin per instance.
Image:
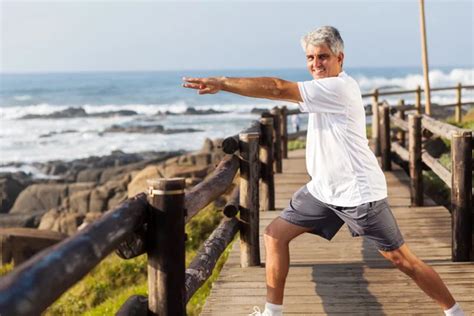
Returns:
(347, 275)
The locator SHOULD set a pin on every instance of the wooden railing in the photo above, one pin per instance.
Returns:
(153, 222)
(375, 103)
(459, 179)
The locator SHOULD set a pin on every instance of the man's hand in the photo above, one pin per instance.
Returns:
(203, 85)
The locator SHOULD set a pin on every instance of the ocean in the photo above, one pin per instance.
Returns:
(23, 141)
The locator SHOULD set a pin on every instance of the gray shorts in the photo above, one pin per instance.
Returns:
(373, 220)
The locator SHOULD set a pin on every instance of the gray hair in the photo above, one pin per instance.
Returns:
(328, 35)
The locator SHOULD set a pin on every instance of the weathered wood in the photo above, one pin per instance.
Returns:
(414, 149)
(375, 122)
(135, 305)
(267, 189)
(461, 195)
(284, 132)
(396, 92)
(22, 292)
(400, 151)
(249, 208)
(437, 168)
(18, 244)
(401, 135)
(424, 55)
(385, 140)
(418, 99)
(200, 269)
(165, 247)
(458, 110)
(440, 128)
(212, 187)
(232, 207)
(231, 144)
(277, 140)
(399, 123)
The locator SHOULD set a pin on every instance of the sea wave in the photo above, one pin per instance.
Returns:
(15, 112)
(437, 78)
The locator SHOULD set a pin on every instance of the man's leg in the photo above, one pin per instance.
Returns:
(277, 238)
(424, 276)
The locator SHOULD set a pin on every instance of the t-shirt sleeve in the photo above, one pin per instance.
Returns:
(326, 95)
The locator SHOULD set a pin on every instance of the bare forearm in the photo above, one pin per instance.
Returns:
(261, 87)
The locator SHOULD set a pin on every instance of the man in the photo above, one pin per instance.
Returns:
(347, 184)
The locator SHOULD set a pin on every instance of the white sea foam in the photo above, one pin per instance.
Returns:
(437, 79)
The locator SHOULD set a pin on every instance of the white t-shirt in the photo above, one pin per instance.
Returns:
(343, 169)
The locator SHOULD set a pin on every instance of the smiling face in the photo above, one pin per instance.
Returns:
(322, 62)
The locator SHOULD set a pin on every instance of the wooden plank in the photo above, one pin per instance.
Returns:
(348, 276)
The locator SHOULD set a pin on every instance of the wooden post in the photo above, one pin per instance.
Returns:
(267, 190)
(414, 150)
(375, 122)
(458, 113)
(249, 212)
(284, 132)
(461, 192)
(418, 100)
(424, 52)
(401, 114)
(165, 247)
(385, 141)
(277, 149)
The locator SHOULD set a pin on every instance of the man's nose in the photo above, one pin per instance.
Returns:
(316, 63)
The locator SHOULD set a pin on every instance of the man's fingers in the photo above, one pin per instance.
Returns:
(193, 80)
(205, 91)
(193, 85)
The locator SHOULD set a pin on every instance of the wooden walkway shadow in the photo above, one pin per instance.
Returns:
(347, 276)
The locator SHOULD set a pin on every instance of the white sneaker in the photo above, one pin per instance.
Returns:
(257, 312)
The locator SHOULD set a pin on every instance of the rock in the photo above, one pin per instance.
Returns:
(40, 197)
(79, 202)
(10, 188)
(31, 219)
(139, 184)
(258, 111)
(149, 129)
(48, 220)
(192, 111)
(89, 219)
(79, 112)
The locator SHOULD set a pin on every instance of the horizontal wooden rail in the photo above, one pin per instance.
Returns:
(371, 94)
(400, 123)
(34, 285)
(200, 269)
(212, 187)
(437, 168)
(439, 128)
(400, 151)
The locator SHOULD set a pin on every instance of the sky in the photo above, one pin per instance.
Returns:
(62, 36)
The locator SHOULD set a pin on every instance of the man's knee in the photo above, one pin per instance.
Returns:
(404, 260)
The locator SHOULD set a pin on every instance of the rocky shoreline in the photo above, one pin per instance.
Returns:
(83, 189)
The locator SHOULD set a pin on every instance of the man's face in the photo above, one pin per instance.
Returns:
(322, 63)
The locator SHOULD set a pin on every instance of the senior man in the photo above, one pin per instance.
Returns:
(347, 184)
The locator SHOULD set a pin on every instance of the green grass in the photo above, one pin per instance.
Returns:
(114, 280)
(296, 144)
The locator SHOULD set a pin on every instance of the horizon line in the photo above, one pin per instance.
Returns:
(34, 72)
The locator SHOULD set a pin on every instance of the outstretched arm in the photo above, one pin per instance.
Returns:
(262, 87)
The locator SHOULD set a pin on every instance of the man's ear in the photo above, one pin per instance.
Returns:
(340, 58)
